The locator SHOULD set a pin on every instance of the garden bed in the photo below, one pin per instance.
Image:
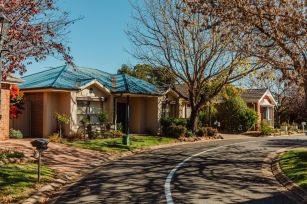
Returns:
(116, 145)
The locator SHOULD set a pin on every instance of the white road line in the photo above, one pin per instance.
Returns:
(167, 185)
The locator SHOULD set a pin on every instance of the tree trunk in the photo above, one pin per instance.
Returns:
(305, 90)
(193, 120)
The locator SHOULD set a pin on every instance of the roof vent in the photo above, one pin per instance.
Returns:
(78, 84)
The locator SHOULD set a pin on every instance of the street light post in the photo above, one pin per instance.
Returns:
(3, 28)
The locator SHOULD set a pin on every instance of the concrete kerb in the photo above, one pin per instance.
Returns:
(272, 169)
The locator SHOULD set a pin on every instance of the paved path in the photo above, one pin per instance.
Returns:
(60, 157)
(229, 174)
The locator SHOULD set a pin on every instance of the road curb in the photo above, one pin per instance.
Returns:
(290, 189)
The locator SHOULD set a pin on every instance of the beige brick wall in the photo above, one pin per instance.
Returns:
(5, 111)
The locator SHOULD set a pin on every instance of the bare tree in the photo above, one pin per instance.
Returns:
(199, 56)
(274, 31)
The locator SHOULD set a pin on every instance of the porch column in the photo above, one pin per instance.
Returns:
(115, 112)
(127, 114)
(259, 116)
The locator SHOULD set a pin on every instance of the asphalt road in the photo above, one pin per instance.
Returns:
(229, 172)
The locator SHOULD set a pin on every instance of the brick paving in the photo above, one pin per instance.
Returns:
(62, 158)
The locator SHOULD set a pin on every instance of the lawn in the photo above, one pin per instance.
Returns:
(17, 181)
(294, 165)
(115, 144)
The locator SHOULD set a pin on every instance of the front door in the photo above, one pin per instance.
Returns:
(122, 115)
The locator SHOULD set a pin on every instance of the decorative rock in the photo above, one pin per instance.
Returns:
(60, 181)
(11, 160)
(5, 161)
(46, 188)
(1, 163)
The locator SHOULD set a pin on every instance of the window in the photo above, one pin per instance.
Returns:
(89, 110)
(165, 110)
(268, 113)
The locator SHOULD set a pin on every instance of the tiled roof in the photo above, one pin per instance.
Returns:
(249, 95)
(253, 94)
(71, 78)
(182, 89)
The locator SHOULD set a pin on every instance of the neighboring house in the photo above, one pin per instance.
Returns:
(84, 93)
(5, 87)
(262, 101)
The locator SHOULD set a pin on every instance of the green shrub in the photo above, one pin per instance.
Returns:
(203, 116)
(120, 127)
(177, 131)
(248, 119)
(75, 136)
(210, 132)
(112, 134)
(201, 132)
(15, 134)
(266, 129)
(56, 138)
(180, 121)
(189, 134)
(165, 125)
(235, 116)
(6, 154)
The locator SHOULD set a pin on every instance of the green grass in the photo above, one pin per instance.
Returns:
(294, 165)
(17, 181)
(8, 155)
(115, 144)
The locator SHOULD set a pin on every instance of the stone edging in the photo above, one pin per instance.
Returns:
(290, 189)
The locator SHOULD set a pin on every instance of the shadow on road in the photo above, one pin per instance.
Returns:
(229, 175)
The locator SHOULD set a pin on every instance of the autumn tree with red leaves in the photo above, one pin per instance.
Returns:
(37, 29)
(16, 102)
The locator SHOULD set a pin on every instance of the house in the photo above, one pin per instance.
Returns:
(262, 101)
(84, 93)
(5, 87)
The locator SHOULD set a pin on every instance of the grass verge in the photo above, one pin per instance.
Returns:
(294, 164)
(18, 181)
(115, 144)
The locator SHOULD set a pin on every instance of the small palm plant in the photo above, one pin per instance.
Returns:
(85, 122)
(103, 119)
(62, 120)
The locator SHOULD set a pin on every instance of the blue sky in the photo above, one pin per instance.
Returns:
(99, 40)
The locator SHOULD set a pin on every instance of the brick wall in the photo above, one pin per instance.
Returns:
(5, 107)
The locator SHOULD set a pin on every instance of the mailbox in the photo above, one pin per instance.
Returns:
(40, 144)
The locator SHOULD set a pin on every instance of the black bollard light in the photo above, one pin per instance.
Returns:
(41, 145)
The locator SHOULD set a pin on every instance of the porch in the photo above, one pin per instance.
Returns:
(136, 114)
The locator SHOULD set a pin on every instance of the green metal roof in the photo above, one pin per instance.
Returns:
(72, 78)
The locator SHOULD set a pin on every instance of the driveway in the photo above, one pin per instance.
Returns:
(62, 158)
(228, 171)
